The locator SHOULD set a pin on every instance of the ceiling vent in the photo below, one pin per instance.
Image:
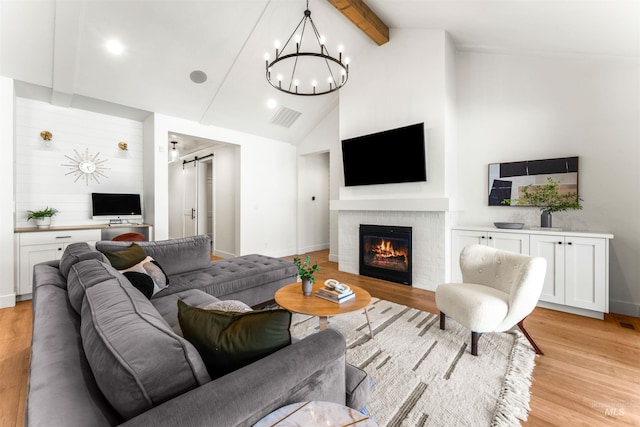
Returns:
(285, 117)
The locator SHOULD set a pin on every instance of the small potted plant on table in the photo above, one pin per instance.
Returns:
(306, 271)
(43, 217)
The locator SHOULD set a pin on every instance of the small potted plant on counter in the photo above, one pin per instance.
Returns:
(306, 271)
(43, 217)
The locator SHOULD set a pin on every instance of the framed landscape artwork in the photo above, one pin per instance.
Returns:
(506, 180)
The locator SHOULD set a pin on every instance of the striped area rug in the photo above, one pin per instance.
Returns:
(427, 377)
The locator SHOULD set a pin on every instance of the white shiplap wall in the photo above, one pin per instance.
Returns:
(40, 178)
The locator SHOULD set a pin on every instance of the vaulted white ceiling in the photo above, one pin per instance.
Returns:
(55, 49)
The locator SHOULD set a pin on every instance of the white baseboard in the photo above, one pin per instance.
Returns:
(333, 258)
(7, 300)
(313, 248)
(572, 310)
(223, 254)
(624, 307)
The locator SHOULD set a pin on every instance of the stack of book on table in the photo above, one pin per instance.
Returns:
(335, 294)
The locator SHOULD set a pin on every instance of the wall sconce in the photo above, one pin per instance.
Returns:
(123, 151)
(46, 139)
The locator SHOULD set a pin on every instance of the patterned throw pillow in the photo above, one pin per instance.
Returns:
(147, 276)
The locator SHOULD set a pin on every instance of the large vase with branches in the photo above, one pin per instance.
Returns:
(548, 199)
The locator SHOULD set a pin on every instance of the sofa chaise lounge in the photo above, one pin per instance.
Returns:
(104, 354)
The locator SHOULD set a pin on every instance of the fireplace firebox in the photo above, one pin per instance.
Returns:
(385, 253)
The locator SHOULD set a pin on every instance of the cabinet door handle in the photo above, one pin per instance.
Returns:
(482, 237)
(59, 249)
(490, 237)
(63, 237)
(569, 243)
(559, 243)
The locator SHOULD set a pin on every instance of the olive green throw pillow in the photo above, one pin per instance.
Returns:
(129, 257)
(228, 340)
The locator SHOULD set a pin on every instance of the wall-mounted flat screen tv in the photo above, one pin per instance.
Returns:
(506, 180)
(114, 206)
(388, 157)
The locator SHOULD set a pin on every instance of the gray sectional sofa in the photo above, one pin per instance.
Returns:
(103, 354)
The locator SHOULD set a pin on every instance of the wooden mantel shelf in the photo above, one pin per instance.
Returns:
(433, 204)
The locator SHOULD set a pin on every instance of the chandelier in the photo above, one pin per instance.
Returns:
(304, 66)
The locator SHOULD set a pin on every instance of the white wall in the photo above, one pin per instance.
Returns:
(176, 205)
(267, 207)
(322, 139)
(226, 190)
(313, 202)
(42, 180)
(7, 116)
(513, 108)
(268, 198)
(400, 83)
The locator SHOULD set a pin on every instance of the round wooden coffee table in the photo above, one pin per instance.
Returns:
(291, 298)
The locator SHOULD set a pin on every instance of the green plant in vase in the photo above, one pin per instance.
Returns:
(548, 199)
(306, 271)
(42, 217)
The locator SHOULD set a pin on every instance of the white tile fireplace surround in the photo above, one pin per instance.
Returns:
(430, 243)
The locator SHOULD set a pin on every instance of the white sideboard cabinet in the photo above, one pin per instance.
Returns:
(40, 246)
(513, 242)
(33, 246)
(577, 279)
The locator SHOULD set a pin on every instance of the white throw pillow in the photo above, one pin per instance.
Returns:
(229, 305)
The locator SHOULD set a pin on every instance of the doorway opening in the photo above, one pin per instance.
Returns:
(203, 192)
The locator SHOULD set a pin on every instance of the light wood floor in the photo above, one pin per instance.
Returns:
(589, 375)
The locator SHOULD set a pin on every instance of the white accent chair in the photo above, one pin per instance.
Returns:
(499, 290)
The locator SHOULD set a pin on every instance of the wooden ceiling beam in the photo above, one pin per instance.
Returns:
(364, 18)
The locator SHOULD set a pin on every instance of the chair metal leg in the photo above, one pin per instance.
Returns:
(533, 343)
(443, 318)
(475, 336)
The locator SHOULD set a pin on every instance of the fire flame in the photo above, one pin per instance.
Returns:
(386, 250)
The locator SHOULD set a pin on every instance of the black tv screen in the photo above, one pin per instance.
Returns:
(388, 157)
(115, 205)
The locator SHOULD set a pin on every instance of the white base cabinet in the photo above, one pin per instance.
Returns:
(576, 270)
(577, 279)
(513, 242)
(40, 246)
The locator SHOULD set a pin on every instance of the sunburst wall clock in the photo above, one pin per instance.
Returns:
(86, 166)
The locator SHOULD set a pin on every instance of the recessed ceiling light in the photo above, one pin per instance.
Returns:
(271, 104)
(115, 47)
(198, 76)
